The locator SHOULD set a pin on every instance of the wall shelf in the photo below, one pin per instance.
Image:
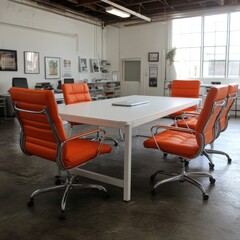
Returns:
(103, 89)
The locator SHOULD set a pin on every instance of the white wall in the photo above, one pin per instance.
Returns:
(136, 42)
(25, 28)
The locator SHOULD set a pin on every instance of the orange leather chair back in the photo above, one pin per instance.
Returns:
(186, 88)
(232, 94)
(207, 118)
(76, 93)
(38, 138)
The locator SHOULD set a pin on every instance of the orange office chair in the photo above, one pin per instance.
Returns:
(185, 88)
(223, 121)
(42, 134)
(188, 143)
(221, 125)
(77, 93)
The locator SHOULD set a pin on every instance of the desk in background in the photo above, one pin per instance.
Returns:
(8, 104)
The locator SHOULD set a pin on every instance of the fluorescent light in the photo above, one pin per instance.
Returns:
(117, 12)
(126, 10)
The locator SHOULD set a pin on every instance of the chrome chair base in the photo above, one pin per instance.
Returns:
(211, 164)
(182, 177)
(212, 151)
(68, 185)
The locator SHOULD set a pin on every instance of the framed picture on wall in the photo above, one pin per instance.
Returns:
(153, 57)
(153, 74)
(8, 60)
(95, 65)
(83, 67)
(52, 67)
(31, 62)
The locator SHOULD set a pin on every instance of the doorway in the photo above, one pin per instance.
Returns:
(131, 77)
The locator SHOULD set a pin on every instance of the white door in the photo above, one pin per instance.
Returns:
(131, 77)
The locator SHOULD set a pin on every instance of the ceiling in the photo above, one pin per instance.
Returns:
(157, 10)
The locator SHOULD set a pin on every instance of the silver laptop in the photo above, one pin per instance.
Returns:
(130, 103)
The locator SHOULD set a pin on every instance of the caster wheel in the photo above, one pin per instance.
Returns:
(62, 216)
(186, 163)
(30, 203)
(58, 180)
(106, 195)
(153, 192)
(165, 155)
(212, 180)
(152, 178)
(229, 160)
(211, 166)
(205, 196)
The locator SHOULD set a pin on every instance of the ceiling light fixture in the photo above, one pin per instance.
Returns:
(127, 10)
(117, 12)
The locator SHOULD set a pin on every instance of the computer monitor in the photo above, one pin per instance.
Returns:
(20, 82)
(68, 80)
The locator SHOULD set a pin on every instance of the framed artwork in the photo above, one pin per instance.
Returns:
(31, 62)
(153, 57)
(83, 67)
(66, 70)
(52, 67)
(8, 60)
(95, 65)
(153, 74)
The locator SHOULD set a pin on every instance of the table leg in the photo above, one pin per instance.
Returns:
(127, 164)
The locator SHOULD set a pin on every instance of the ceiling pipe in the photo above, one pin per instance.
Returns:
(127, 10)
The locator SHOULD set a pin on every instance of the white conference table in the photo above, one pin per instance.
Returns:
(102, 113)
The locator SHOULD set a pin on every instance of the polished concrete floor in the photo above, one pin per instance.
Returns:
(176, 212)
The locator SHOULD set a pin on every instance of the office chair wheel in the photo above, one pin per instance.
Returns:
(152, 178)
(62, 216)
(205, 196)
(30, 203)
(186, 163)
(211, 166)
(212, 180)
(229, 160)
(106, 195)
(153, 192)
(58, 180)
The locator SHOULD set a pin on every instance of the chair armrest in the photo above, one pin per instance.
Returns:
(81, 135)
(186, 115)
(154, 129)
(84, 134)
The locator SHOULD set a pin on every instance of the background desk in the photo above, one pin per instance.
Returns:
(8, 102)
(102, 113)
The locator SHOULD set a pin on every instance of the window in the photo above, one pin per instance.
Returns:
(187, 40)
(207, 46)
(214, 46)
(234, 47)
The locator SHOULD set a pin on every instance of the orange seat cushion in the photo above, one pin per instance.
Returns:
(188, 122)
(175, 142)
(79, 151)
